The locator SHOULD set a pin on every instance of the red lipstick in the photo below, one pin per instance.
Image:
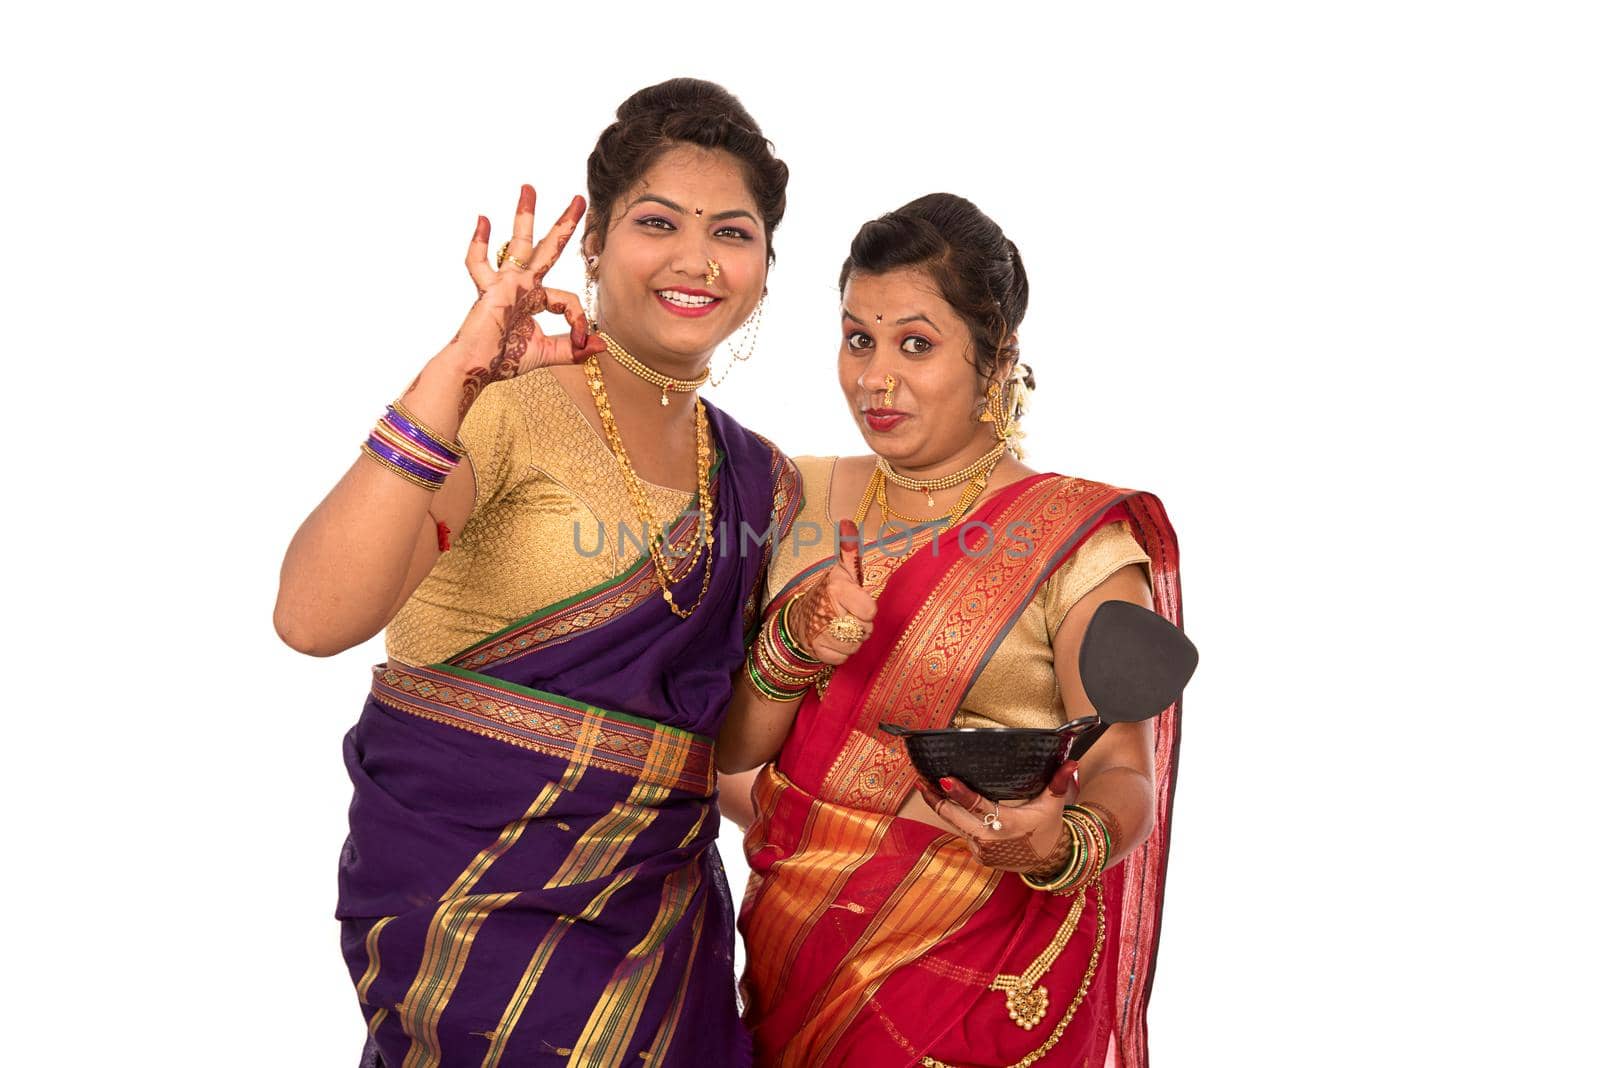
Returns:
(884, 420)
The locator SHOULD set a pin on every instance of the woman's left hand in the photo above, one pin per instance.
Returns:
(1025, 837)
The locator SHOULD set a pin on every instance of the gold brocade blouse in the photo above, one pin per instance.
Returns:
(545, 525)
(1018, 686)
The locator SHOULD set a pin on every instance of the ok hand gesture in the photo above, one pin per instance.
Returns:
(500, 332)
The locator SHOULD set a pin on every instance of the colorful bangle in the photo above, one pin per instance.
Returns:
(408, 424)
(1084, 862)
(412, 472)
(1065, 880)
(404, 445)
(786, 635)
(1108, 823)
(768, 687)
(777, 668)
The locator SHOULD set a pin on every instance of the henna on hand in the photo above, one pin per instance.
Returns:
(517, 335)
(814, 611)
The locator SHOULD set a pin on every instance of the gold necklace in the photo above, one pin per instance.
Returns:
(969, 497)
(877, 492)
(984, 463)
(704, 537)
(662, 382)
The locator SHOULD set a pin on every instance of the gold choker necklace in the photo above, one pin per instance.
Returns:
(985, 464)
(650, 374)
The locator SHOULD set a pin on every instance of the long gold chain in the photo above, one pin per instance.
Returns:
(662, 382)
(929, 486)
(1072, 1009)
(1026, 999)
(641, 501)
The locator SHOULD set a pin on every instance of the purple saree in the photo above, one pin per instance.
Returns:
(531, 876)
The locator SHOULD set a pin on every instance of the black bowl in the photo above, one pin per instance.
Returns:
(1001, 763)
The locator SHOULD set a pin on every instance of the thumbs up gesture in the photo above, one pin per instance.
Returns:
(834, 616)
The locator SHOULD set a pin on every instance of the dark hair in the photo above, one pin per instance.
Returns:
(682, 111)
(976, 267)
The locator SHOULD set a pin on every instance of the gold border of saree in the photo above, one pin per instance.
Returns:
(658, 755)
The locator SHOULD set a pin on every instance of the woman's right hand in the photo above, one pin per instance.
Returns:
(500, 338)
(840, 593)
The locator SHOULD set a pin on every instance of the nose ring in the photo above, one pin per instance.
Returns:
(888, 390)
(713, 269)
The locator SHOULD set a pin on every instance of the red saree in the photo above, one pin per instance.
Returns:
(876, 940)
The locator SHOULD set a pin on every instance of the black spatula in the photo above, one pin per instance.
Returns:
(1133, 664)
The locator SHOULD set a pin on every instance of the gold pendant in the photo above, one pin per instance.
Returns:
(1026, 1005)
(930, 500)
(663, 398)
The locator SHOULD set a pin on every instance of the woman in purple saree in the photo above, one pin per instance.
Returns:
(531, 875)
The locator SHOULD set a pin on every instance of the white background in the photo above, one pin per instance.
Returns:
(1322, 276)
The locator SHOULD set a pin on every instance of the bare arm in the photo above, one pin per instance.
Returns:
(1115, 778)
(754, 729)
(1117, 775)
(733, 797)
(369, 544)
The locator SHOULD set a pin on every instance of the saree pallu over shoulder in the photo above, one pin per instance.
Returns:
(531, 875)
(826, 838)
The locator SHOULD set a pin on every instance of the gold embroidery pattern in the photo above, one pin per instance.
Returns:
(530, 722)
(941, 648)
(597, 608)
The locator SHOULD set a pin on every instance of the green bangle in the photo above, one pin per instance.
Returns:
(767, 688)
(787, 638)
(1071, 870)
(1105, 835)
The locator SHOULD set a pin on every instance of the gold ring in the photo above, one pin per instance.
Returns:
(504, 254)
(991, 820)
(847, 628)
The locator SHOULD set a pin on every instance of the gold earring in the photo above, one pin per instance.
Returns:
(991, 406)
(888, 390)
(713, 269)
(589, 277)
(746, 347)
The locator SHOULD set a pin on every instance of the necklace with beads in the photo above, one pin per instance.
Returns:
(982, 465)
(877, 492)
(704, 537)
(665, 383)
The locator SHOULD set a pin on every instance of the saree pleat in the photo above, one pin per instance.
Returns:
(878, 940)
(531, 875)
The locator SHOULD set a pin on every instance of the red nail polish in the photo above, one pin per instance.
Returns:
(525, 201)
(947, 784)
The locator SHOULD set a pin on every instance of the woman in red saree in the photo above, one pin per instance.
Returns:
(885, 922)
